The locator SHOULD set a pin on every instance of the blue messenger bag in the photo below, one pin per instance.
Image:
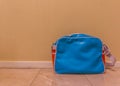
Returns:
(78, 54)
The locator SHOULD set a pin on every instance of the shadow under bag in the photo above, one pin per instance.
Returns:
(79, 54)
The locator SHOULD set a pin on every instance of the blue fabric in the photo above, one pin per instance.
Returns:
(79, 53)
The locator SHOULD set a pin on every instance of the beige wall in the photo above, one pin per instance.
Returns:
(28, 27)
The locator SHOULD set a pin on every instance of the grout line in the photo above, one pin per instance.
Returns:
(34, 78)
(88, 80)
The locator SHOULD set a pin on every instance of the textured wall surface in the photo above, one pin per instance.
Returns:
(29, 27)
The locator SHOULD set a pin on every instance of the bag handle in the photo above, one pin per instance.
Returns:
(107, 53)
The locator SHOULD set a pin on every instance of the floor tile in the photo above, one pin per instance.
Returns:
(17, 77)
(110, 78)
(47, 77)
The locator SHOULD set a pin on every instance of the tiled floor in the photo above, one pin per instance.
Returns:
(46, 77)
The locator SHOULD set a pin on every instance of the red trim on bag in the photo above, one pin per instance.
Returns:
(53, 53)
(103, 58)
